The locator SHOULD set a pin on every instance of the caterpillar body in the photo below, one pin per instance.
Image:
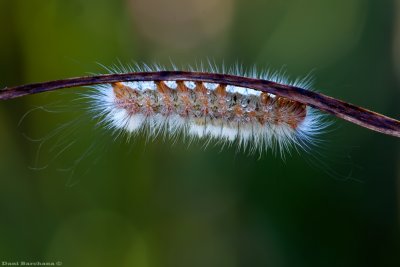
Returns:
(228, 114)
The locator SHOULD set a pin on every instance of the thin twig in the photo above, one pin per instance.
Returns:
(338, 108)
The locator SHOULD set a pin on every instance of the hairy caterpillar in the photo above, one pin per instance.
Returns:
(256, 110)
(211, 111)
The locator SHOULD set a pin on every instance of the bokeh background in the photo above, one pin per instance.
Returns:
(71, 192)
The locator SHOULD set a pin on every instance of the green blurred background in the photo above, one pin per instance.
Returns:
(70, 192)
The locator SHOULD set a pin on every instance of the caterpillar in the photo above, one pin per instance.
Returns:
(258, 111)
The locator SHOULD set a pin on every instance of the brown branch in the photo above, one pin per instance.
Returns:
(338, 108)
